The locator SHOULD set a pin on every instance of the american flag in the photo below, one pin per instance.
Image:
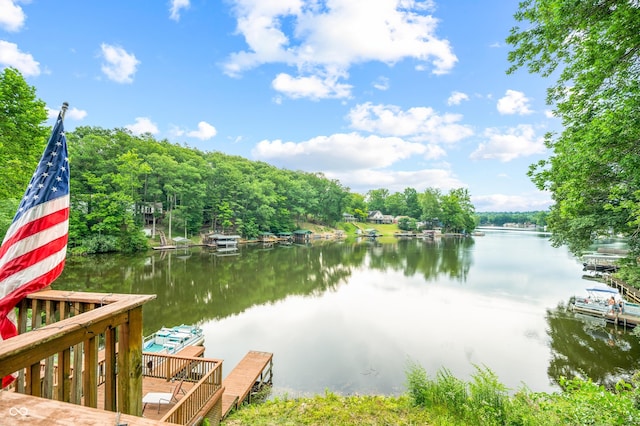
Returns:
(34, 248)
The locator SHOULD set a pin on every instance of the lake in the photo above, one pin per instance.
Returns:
(350, 316)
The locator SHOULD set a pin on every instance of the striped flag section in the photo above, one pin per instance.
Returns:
(34, 248)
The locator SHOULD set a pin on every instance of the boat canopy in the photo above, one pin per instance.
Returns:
(602, 288)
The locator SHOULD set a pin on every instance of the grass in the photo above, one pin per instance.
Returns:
(331, 409)
(446, 400)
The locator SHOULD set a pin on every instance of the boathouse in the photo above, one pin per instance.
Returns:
(302, 236)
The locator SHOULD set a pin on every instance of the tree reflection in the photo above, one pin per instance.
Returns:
(578, 342)
(194, 285)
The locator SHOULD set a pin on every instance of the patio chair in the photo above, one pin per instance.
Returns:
(162, 398)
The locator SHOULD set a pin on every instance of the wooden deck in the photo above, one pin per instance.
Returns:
(151, 384)
(20, 409)
(253, 369)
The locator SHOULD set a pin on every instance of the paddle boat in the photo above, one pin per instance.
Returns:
(171, 340)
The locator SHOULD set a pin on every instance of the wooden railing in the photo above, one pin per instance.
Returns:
(60, 333)
(209, 372)
(629, 293)
(176, 367)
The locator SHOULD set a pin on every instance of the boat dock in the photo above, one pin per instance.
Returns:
(251, 374)
(622, 319)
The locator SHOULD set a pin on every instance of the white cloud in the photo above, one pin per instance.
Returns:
(418, 123)
(12, 16)
(120, 66)
(143, 125)
(456, 98)
(381, 83)
(514, 102)
(549, 114)
(338, 152)
(538, 200)
(73, 113)
(396, 181)
(313, 87)
(76, 114)
(433, 152)
(176, 5)
(205, 131)
(329, 37)
(10, 56)
(520, 141)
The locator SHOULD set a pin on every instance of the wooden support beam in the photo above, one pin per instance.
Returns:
(64, 364)
(130, 361)
(33, 384)
(90, 369)
(110, 402)
(76, 379)
(49, 317)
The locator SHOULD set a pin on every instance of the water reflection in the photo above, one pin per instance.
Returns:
(586, 347)
(197, 284)
(347, 316)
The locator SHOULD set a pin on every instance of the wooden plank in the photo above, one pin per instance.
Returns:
(191, 351)
(19, 409)
(49, 362)
(240, 381)
(22, 328)
(76, 378)
(64, 365)
(136, 336)
(67, 296)
(110, 401)
(130, 360)
(90, 367)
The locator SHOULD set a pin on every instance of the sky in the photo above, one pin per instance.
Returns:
(377, 94)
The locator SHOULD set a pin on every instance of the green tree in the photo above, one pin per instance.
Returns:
(457, 211)
(592, 50)
(8, 209)
(395, 204)
(412, 203)
(22, 133)
(430, 201)
(376, 199)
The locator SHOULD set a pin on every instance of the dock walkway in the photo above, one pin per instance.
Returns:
(255, 369)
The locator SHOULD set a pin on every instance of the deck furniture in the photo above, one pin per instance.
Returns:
(161, 398)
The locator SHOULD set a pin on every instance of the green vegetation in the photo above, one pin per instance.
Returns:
(122, 183)
(538, 218)
(446, 400)
(591, 52)
(22, 133)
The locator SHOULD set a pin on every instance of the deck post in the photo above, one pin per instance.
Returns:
(90, 368)
(76, 378)
(130, 361)
(110, 402)
(63, 391)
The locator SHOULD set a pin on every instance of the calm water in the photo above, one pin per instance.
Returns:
(349, 316)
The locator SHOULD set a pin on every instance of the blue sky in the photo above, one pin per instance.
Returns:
(375, 93)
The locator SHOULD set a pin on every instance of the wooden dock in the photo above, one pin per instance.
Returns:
(253, 371)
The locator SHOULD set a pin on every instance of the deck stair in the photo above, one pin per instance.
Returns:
(252, 373)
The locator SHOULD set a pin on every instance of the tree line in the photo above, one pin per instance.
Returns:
(122, 183)
(538, 218)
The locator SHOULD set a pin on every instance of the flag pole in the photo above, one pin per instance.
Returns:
(65, 105)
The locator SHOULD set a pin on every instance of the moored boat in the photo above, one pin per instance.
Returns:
(596, 303)
(172, 340)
